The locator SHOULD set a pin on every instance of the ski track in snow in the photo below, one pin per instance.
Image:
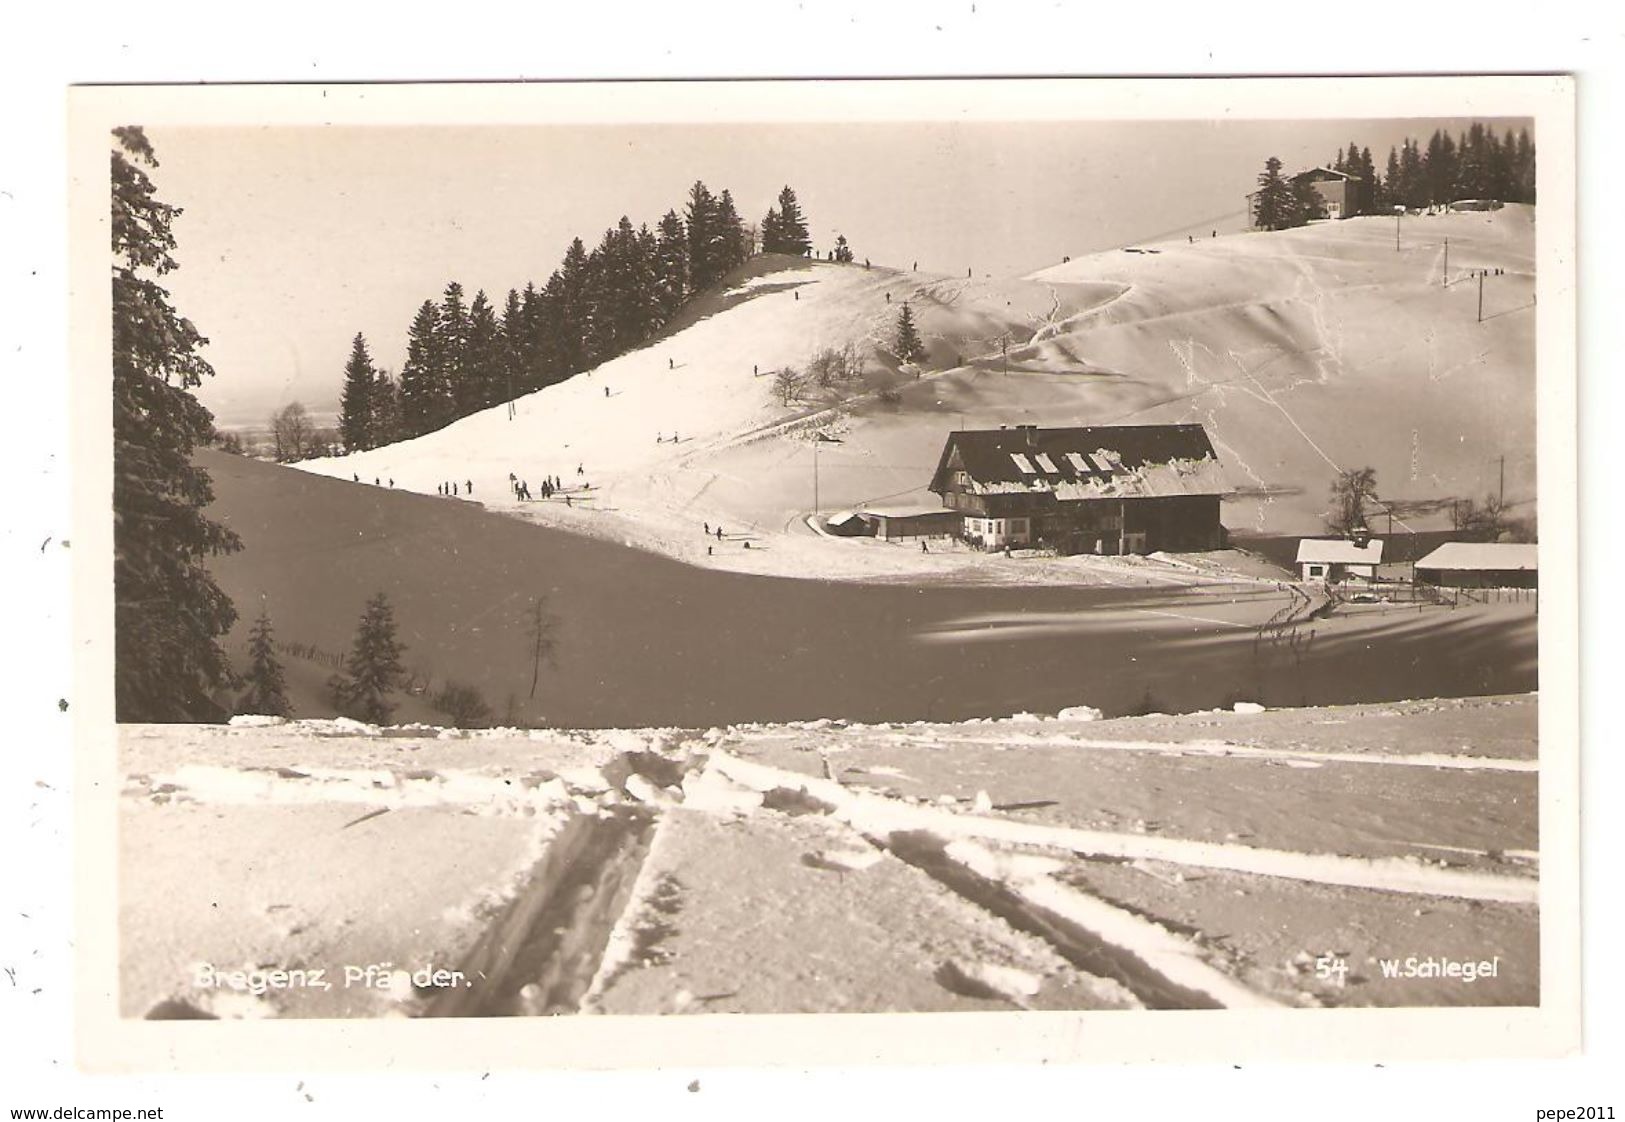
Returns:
(878, 816)
(1220, 748)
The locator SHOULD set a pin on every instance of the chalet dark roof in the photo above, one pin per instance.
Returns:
(1324, 173)
(1095, 461)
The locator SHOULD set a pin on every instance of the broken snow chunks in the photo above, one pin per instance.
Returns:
(843, 860)
(588, 780)
(643, 790)
(982, 803)
(794, 801)
(255, 721)
(1079, 713)
(1025, 719)
(347, 726)
(706, 789)
(988, 980)
(1246, 707)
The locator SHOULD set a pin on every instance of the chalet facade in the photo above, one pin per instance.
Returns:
(1341, 194)
(1107, 489)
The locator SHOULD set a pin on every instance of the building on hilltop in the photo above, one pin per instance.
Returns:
(1481, 565)
(1341, 194)
(1106, 489)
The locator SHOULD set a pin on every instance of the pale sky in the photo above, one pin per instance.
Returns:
(295, 238)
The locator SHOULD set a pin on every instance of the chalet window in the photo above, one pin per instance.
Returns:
(1047, 464)
(1023, 464)
(961, 479)
(1079, 464)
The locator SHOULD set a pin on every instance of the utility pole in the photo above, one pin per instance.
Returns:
(1481, 296)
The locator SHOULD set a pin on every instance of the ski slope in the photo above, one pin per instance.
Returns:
(1304, 353)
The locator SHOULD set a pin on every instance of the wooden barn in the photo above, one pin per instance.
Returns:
(896, 523)
(1106, 489)
(1481, 565)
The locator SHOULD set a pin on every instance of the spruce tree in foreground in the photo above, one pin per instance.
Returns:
(1273, 205)
(373, 670)
(267, 691)
(909, 347)
(168, 612)
(355, 402)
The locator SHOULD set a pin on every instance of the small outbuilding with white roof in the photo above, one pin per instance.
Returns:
(1337, 559)
(1481, 565)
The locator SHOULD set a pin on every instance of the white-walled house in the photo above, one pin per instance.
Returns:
(1337, 559)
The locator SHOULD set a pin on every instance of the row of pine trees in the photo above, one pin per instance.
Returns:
(466, 355)
(1476, 164)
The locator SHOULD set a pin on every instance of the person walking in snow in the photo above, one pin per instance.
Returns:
(606, 391)
(671, 364)
(356, 476)
(719, 531)
(707, 526)
(470, 487)
(375, 481)
(567, 501)
(581, 469)
(392, 483)
(888, 298)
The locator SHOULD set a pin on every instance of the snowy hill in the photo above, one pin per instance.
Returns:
(1304, 352)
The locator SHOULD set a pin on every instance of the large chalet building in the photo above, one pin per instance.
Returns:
(1105, 489)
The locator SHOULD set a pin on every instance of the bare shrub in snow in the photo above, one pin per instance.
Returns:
(789, 385)
(463, 704)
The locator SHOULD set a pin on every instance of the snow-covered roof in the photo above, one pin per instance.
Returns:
(904, 510)
(1090, 462)
(843, 517)
(1339, 551)
(1483, 556)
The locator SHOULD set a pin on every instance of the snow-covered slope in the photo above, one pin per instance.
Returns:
(1304, 352)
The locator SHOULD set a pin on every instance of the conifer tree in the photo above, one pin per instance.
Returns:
(267, 691)
(704, 238)
(451, 339)
(671, 265)
(773, 231)
(732, 248)
(843, 252)
(169, 613)
(373, 671)
(425, 394)
(1273, 207)
(792, 224)
(482, 359)
(514, 345)
(1306, 205)
(570, 320)
(385, 425)
(356, 405)
(1368, 183)
(909, 347)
